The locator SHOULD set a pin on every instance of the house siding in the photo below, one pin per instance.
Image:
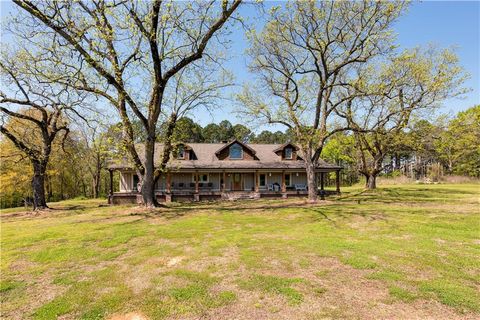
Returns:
(248, 182)
(301, 179)
(126, 181)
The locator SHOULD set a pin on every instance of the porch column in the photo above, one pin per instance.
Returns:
(168, 183)
(256, 181)
(196, 181)
(337, 180)
(110, 195)
(284, 187)
(224, 184)
(322, 181)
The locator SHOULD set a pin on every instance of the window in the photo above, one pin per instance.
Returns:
(288, 153)
(136, 180)
(181, 152)
(287, 179)
(236, 151)
(263, 180)
(203, 177)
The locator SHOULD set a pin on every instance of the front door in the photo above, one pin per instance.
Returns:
(237, 182)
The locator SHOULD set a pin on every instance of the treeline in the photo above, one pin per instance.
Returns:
(187, 130)
(77, 165)
(423, 150)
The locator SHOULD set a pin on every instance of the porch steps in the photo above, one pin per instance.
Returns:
(232, 196)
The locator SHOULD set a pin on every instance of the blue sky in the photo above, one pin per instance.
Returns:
(443, 23)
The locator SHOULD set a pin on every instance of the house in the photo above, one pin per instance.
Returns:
(231, 170)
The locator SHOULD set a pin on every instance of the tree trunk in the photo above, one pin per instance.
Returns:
(38, 186)
(97, 177)
(61, 186)
(84, 188)
(397, 161)
(48, 186)
(312, 185)
(96, 186)
(371, 182)
(148, 180)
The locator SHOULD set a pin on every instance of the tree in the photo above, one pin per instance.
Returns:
(216, 133)
(119, 49)
(277, 137)
(186, 130)
(340, 150)
(242, 133)
(225, 131)
(95, 147)
(457, 146)
(211, 133)
(15, 175)
(34, 113)
(194, 88)
(388, 94)
(305, 57)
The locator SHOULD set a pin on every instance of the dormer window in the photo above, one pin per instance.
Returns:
(288, 153)
(236, 151)
(181, 152)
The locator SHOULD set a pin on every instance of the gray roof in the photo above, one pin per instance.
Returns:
(207, 159)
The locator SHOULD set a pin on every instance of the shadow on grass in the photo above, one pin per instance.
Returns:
(177, 211)
(405, 194)
(334, 215)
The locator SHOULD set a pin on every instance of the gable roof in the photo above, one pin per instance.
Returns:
(227, 145)
(281, 147)
(207, 159)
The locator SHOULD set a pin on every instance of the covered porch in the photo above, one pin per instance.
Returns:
(199, 185)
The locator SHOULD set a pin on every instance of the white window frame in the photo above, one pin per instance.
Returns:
(291, 153)
(201, 176)
(230, 153)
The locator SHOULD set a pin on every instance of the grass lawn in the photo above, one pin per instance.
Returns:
(408, 251)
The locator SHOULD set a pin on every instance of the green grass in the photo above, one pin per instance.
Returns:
(84, 260)
(276, 285)
(402, 294)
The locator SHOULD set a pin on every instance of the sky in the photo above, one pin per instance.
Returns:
(442, 23)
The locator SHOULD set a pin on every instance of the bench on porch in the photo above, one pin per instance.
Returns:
(300, 187)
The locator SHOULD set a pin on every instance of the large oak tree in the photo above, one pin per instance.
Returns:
(388, 94)
(128, 52)
(305, 57)
(34, 113)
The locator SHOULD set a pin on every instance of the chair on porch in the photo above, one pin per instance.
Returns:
(270, 187)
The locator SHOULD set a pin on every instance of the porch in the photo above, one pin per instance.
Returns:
(221, 185)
